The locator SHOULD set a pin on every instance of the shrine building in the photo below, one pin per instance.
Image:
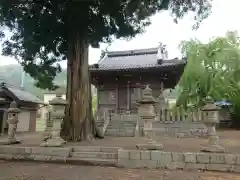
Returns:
(120, 75)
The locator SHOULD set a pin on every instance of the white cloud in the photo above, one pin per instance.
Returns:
(225, 16)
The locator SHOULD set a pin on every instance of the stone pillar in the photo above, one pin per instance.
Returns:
(128, 96)
(147, 113)
(211, 119)
(4, 122)
(57, 114)
(12, 121)
(48, 124)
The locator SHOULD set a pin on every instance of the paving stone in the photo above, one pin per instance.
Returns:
(155, 155)
(145, 155)
(134, 154)
(217, 158)
(219, 167)
(165, 159)
(177, 157)
(123, 154)
(203, 158)
(190, 157)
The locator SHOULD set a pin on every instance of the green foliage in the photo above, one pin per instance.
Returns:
(12, 75)
(213, 69)
(43, 30)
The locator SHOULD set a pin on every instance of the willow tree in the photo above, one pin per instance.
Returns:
(213, 69)
(54, 30)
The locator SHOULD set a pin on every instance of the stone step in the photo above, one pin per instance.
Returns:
(95, 149)
(119, 133)
(97, 155)
(120, 128)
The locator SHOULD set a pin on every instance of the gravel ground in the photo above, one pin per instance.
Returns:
(43, 171)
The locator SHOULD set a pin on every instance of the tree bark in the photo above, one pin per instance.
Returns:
(77, 125)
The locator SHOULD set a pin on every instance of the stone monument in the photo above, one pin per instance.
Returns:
(12, 121)
(211, 119)
(147, 113)
(57, 114)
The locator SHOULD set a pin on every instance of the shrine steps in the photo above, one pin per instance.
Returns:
(95, 155)
(121, 128)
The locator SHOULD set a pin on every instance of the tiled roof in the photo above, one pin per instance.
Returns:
(133, 59)
(22, 95)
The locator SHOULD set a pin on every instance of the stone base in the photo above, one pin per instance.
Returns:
(7, 142)
(54, 142)
(215, 148)
(149, 146)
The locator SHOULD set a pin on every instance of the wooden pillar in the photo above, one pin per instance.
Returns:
(4, 122)
(128, 96)
(138, 91)
(117, 95)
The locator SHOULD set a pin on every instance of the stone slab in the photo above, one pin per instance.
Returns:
(213, 148)
(149, 146)
(53, 142)
(52, 151)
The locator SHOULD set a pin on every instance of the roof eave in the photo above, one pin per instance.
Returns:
(166, 67)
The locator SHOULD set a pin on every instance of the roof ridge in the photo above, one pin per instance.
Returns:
(132, 52)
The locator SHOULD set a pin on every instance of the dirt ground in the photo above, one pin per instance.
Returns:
(41, 171)
(230, 139)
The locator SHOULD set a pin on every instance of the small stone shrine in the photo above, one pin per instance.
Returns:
(211, 119)
(147, 113)
(12, 121)
(57, 114)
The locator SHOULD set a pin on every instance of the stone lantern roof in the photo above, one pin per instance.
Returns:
(58, 100)
(13, 108)
(210, 105)
(147, 96)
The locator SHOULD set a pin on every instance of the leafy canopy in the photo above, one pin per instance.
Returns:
(42, 30)
(213, 69)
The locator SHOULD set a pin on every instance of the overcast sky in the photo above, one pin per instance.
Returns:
(225, 16)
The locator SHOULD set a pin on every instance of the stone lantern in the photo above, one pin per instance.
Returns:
(211, 119)
(12, 121)
(57, 114)
(147, 113)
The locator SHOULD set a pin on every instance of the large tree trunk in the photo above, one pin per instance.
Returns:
(78, 121)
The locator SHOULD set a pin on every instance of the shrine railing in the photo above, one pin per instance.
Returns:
(180, 114)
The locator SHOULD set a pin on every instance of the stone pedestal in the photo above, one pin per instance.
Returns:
(147, 113)
(58, 107)
(12, 121)
(211, 120)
